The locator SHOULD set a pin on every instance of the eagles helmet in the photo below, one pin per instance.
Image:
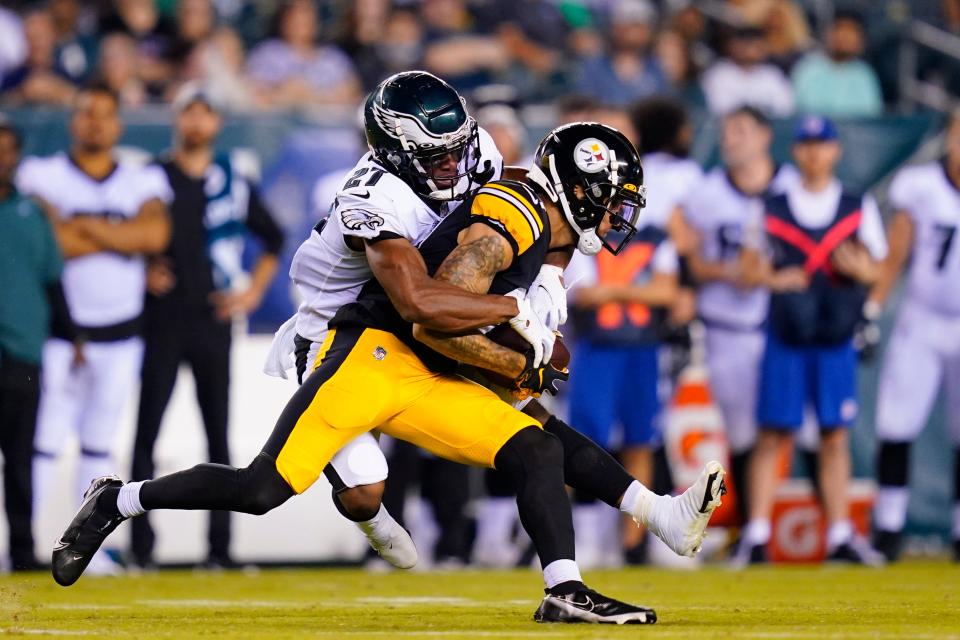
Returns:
(606, 167)
(418, 128)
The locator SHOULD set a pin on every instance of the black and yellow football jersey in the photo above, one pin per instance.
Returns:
(513, 210)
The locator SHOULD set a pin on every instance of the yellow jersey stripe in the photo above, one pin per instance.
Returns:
(516, 223)
(520, 205)
(520, 198)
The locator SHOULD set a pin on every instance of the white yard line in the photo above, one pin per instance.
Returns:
(45, 632)
(84, 607)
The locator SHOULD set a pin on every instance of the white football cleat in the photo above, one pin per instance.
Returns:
(681, 521)
(396, 547)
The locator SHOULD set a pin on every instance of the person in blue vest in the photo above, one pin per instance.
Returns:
(619, 306)
(824, 245)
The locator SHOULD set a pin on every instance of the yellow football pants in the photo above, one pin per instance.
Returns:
(365, 379)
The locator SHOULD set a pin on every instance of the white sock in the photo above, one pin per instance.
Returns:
(956, 521)
(638, 502)
(757, 532)
(379, 526)
(890, 510)
(838, 533)
(560, 571)
(128, 501)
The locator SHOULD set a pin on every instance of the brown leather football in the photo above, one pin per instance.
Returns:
(506, 336)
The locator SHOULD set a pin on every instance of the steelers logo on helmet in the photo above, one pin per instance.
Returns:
(591, 155)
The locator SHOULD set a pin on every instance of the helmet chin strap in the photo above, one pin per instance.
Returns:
(588, 242)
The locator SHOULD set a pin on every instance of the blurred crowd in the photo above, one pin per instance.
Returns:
(305, 54)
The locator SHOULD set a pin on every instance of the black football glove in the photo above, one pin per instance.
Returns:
(538, 380)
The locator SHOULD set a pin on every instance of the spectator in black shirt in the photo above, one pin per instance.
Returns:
(195, 290)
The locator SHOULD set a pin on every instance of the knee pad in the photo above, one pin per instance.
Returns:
(262, 488)
(580, 453)
(530, 450)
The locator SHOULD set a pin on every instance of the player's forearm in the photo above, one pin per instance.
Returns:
(475, 349)
(659, 292)
(870, 274)
(705, 271)
(263, 273)
(900, 241)
(130, 238)
(458, 297)
(450, 309)
(880, 292)
(148, 233)
(74, 244)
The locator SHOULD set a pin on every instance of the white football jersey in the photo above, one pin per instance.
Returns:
(669, 180)
(726, 220)
(328, 273)
(102, 288)
(926, 194)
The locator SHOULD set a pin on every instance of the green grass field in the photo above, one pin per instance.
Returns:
(912, 600)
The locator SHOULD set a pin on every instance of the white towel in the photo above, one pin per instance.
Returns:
(281, 357)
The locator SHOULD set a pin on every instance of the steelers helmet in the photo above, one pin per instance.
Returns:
(590, 170)
(416, 123)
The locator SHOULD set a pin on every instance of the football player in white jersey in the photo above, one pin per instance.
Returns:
(723, 211)
(924, 350)
(404, 198)
(107, 215)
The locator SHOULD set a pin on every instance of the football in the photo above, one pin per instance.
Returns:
(506, 336)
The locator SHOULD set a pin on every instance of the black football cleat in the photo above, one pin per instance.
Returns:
(746, 554)
(857, 551)
(87, 531)
(889, 543)
(586, 605)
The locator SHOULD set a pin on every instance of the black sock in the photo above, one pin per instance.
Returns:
(893, 464)
(587, 467)
(566, 588)
(739, 463)
(533, 460)
(255, 489)
(811, 461)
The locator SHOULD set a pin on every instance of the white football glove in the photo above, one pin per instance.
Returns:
(548, 296)
(532, 329)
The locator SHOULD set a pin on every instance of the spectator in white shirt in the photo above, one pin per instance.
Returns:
(294, 71)
(745, 77)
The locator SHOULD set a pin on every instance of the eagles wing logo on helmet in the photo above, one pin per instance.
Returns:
(356, 219)
(591, 155)
(411, 132)
(410, 129)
